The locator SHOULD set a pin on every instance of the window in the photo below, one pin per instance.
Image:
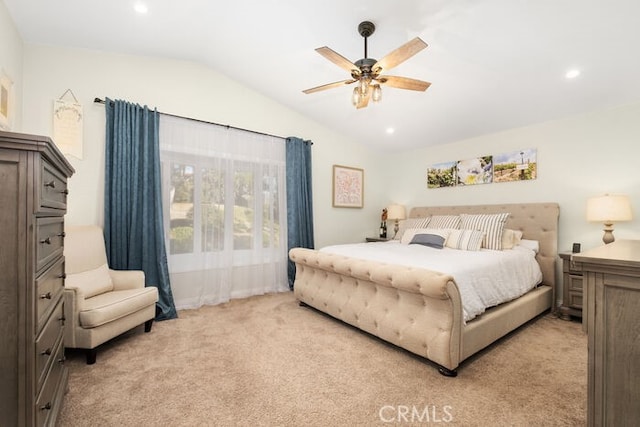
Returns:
(224, 200)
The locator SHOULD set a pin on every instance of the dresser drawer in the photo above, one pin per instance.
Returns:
(49, 339)
(51, 394)
(575, 283)
(52, 188)
(49, 240)
(49, 289)
(575, 299)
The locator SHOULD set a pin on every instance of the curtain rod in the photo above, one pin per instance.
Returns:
(101, 101)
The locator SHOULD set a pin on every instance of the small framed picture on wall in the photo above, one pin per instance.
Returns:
(348, 187)
(6, 101)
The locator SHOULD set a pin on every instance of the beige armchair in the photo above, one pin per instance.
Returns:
(100, 303)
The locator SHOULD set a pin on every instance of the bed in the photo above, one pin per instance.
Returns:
(420, 309)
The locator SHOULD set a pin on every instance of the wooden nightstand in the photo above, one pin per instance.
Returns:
(571, 288)
(378, 239)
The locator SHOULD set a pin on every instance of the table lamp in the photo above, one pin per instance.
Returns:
(396, 213)
(608, 209)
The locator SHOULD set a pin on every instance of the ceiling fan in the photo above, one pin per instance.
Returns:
(367, 71)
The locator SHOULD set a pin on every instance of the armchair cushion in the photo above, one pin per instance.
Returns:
(110, 306)
(92, 282)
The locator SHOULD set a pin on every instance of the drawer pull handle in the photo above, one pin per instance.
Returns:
(46, 296)
(62, 234)
(46, 241)
(62, 360)
(51, 184)
(65, 192)
(47, 352)
(62, 276)
(46, 407)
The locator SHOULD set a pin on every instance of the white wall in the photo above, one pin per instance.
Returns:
(191, 90)
(578, 157)
(11, 61)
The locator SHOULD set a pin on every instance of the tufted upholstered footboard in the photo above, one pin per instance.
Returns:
(416, 309)
(420, 310)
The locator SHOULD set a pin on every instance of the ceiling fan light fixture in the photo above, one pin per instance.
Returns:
(365, 72)
(364, 86)
(376, 95)
(355, 96)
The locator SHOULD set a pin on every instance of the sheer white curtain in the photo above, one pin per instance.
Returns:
(224, 211)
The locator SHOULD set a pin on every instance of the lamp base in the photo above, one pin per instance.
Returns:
(608, 233)
(396, 227)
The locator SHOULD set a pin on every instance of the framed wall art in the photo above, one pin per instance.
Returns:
(6, 101)
(348, 187)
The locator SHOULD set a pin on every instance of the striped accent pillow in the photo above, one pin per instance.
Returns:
(411, 223)
(491, 224)
(444, 221)
(467, 240)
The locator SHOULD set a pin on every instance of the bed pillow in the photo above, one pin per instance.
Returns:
(510, 238)
(466, 240)
(534, 245)
(408, 234)
(444, 221)
(491, 224)
(409, 223)
(432, 240)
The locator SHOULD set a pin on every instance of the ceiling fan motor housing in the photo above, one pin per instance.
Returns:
(366, 28)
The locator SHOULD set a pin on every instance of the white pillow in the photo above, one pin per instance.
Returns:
(510, 238)
(533, 245)
(408, 223)
(466, 240)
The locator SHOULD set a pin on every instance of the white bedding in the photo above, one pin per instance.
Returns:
(485, 278)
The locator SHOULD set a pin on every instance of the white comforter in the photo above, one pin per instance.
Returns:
(485, 278)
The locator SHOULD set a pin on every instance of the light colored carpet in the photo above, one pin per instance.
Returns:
(265, 361)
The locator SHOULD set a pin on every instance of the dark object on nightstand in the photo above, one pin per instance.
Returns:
(571, 288)
(377, 239)
(576, 248)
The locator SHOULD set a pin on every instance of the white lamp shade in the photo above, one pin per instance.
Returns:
(609, 208)
(396, 212)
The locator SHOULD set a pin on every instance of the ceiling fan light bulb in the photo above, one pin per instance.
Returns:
(376, 95)
(364, 86)
(355, 96)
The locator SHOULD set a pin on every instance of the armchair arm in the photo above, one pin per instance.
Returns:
(73, 304)
(126, 279)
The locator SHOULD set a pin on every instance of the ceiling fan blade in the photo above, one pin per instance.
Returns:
(364, 101)
(329, 86)
(403, 83)
(338, 59)
(399, 55)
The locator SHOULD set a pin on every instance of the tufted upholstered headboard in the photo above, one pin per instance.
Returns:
(537, 221)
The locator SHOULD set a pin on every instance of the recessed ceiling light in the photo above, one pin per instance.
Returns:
(141, 8)
(390, 130)
(572, 74)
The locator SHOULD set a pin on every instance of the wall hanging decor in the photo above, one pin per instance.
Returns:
(67, 124)
(348, 187)
(6, 101)
(520, 165)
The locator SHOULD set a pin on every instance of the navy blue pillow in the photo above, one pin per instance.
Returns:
(431, 240)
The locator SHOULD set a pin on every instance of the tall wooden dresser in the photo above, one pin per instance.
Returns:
(612, 301)
(33, 201)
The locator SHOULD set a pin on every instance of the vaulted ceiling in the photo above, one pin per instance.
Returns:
(493, 64)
